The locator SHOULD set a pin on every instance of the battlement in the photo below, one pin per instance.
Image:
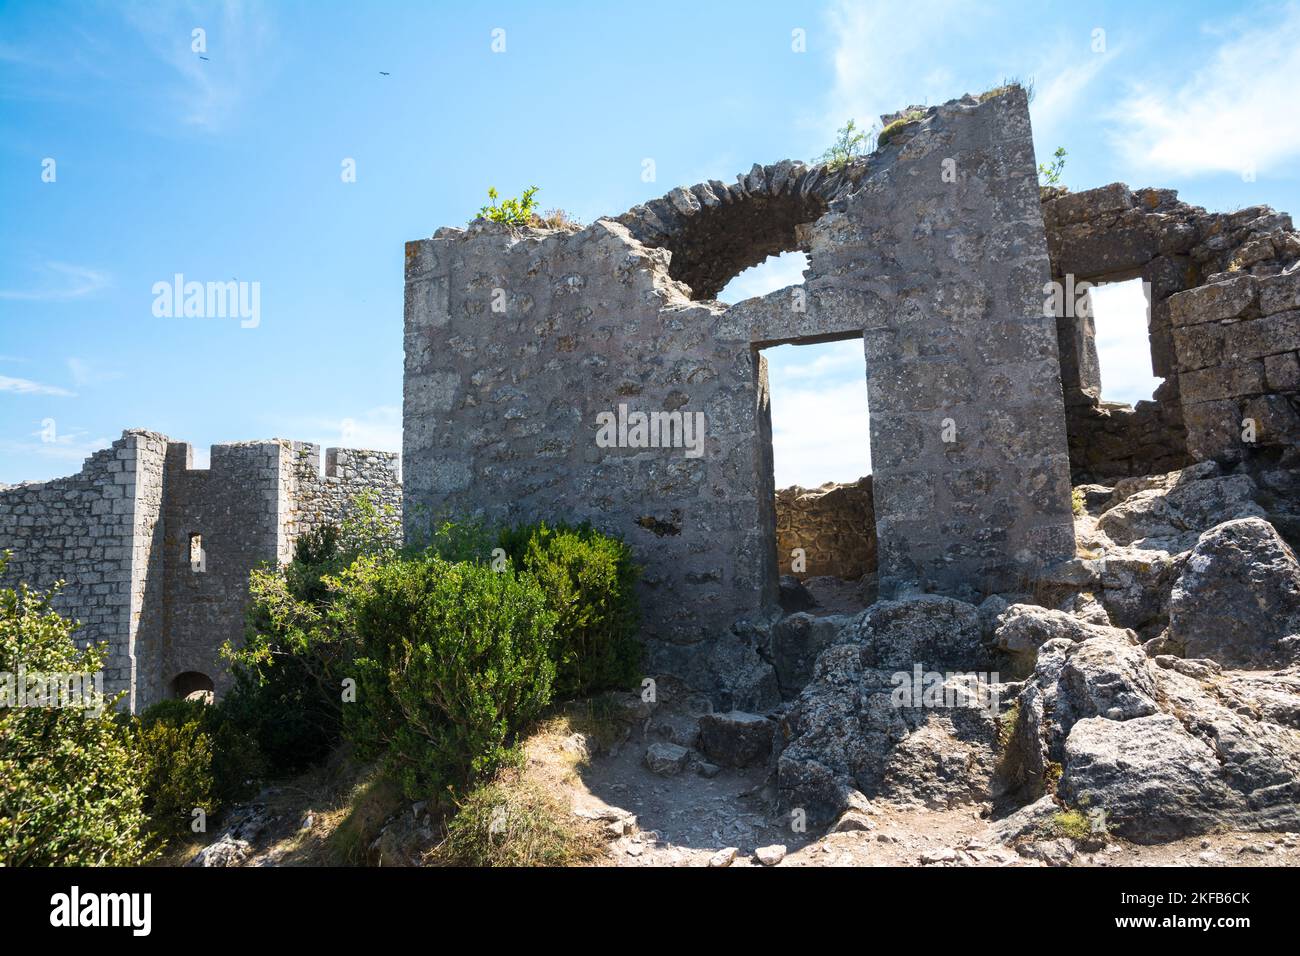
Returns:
(156, 553)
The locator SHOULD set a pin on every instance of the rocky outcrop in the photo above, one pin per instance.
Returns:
(858, 728)
(1163, 748)
(1237, 600)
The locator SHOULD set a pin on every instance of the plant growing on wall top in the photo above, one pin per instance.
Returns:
(850, 142)
(515, 211)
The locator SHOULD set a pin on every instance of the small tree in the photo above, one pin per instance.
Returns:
(849, 143)
(1049, 174)
(70, 781)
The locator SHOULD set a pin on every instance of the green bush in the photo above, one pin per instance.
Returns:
(195, 757)
(289, 672)
(455, 660)
(70, 790)
(589, 580)
(518, 211)
(177, 757)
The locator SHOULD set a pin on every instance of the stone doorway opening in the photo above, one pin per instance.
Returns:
(818, 455)
(1120, 311)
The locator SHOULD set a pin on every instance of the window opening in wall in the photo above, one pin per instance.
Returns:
(1121, 315)
(198, 557)
(821, 464)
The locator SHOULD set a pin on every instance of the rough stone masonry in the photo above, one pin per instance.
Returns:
(156, 554)
(931, 251)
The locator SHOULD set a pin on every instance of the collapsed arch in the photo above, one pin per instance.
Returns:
(715, 231)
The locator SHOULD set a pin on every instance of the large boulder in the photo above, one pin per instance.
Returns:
(861, 727)
(1152, 779)
(1163, 748)
(736, 739)
(796, 641)
(1024, 628)
(1168, 512)
(1237, 600)
(939, 633)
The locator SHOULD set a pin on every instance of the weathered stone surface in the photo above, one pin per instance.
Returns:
(796, 641)
(770, 855)
(620, 313)
(1025, 627)
(1162, 748)
(936, 632)
(736, 739)
(857, 729)
(1172, 517)
(1237, 600)
(793, 596)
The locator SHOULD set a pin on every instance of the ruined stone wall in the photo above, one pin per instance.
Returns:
(1237, 343)
(119, 532)
(931, 251)
(87, 530)
(317, 498)
(834, 525)
(234, 505)
(1111, 234)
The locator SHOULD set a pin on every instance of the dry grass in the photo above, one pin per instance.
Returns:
(524, 815)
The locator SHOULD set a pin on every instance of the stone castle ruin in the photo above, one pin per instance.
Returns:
(156, 554)
(589, 374)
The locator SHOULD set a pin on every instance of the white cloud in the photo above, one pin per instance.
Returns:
(373, 429)
(1236, 113)
(1058, 88)
(876, 53)
(774, 272)
(60, 453)
(60, 281)
(22, 386)
(86, 372)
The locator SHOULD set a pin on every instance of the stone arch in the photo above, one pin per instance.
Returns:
(715, 231)
(187, 684)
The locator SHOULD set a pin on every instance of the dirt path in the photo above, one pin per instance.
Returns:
(685, 820)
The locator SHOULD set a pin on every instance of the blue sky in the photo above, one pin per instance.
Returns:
(229, 168)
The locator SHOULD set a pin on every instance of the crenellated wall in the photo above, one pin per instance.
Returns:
(119, 534)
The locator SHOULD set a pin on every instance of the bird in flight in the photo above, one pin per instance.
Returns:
(382, 73)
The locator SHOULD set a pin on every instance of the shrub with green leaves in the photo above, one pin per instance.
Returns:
(513, 211)
(70, 792)
(195, 757)
(289, 672)
(850, 143)
(455, 660)
(589, 580)
(177, 757)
